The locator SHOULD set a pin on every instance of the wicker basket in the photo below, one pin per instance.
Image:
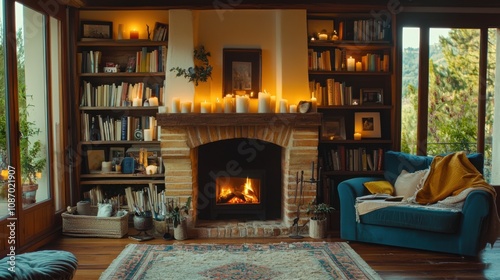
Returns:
(93, 226)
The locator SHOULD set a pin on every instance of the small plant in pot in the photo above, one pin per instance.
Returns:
(318, 223)
(178, 216)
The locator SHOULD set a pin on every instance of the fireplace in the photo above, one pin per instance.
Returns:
(294, 137)
(239, 179)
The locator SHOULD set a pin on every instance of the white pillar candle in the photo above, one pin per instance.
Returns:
(264, 102)
(242, 104)
(283, 106)
(153, 101)
(228, 104)
(293, 108)
(147, 134)
(350, 64)
(176, 105)
(186, 107)
(357, 136)
(106, 166)
(217, 106)
(137, 102)
(205, 107)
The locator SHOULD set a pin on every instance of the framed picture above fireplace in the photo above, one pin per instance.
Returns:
(241, 72)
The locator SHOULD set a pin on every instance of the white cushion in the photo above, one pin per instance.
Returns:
(407, 183)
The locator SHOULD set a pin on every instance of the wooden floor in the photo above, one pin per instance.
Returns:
(95, 254)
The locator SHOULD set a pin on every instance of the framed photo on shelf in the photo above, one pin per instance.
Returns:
(96, 30)
(241, 71)
(371, 96)
(368, 124)
(94, 159)
(333, 129)
(116, 152)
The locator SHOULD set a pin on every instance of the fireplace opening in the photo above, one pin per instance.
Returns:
(239, 179)
(237, 190)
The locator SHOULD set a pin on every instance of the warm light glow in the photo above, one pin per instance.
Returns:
(244, 194)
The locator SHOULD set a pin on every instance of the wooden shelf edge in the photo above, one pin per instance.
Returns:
(121, 182)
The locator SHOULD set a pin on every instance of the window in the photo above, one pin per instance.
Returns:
(448, 86)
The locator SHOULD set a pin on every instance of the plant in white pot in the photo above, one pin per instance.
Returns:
(178, 216)
(318, 224)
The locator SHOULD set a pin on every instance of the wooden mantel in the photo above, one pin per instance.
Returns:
(238, 119)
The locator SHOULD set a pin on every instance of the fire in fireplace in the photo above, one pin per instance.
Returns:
(237, 190)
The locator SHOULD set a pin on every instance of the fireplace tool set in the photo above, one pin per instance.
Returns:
(299, 197)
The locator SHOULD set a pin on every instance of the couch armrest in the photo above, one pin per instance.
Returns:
(348, 191)
(476, 210)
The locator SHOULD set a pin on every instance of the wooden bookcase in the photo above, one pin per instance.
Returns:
(351, 74)
(113, 111)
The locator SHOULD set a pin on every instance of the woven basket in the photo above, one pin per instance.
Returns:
(93, 226)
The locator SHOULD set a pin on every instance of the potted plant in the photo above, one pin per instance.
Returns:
(32, 159)
(202, 69)
(318, 222)
(178, 216)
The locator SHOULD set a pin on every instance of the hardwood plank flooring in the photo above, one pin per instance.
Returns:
(95, 254)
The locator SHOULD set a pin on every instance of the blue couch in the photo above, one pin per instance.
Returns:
(454, 232)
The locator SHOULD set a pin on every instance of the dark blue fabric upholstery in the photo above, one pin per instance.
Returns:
(462, 234)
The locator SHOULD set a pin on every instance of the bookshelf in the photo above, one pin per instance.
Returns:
(351, 75)
(118, 92)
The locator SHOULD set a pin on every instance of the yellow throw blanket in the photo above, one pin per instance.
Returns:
(448, 176)
(450, 179)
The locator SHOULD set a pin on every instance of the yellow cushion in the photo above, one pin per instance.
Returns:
(379, 187)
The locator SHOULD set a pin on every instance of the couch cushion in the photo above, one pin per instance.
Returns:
(407, 183)
(379, 187)
(415, 217)
(395, 162)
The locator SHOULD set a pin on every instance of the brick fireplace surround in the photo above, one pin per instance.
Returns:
(182, 134)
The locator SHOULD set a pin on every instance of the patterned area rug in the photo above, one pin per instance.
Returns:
(305, 260)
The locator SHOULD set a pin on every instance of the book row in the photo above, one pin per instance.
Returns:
(353, 159)
(336, 60)
(332, 93)
(143, 61)
(124, 128)
(123, 94)
(363, 30)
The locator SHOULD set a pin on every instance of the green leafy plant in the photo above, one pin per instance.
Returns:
(202, 69)
(178, 213)
(318, 211)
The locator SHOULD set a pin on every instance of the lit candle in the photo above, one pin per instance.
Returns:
(206, 107)
(242, 104)
(314, 103)
(134, 34)
(137, 102)
(293, 108)
(228, 103)
(350, 64)
(359, 66)
(217, 106)
(357, 136)
(283, 106)
(264, 102)
(186, 107)
(176, 105)
(153, 101)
